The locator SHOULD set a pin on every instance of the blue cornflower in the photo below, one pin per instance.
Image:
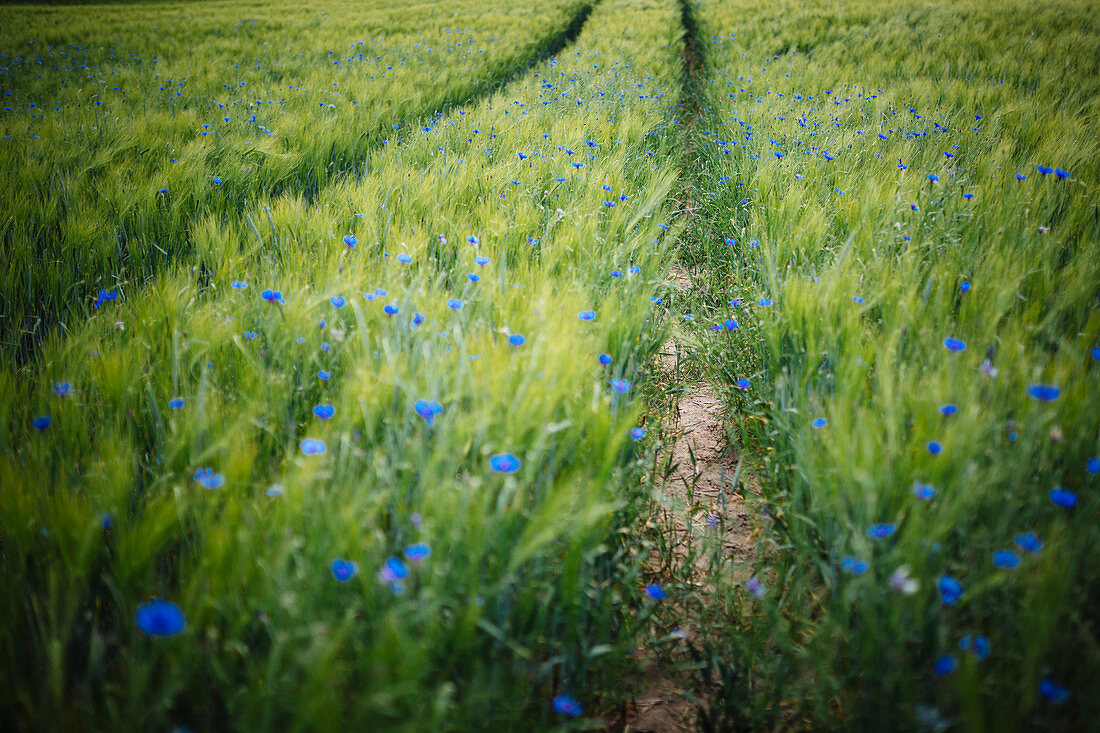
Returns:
(616, 273)
(350, 240)
(933, 177)
(390, 309)
(968, 196)
(323, 375)
(964, 287)
(978, 646)
(473, 277)
(1044, 169)
(41, 422)
(743, 384)
(620, 386)
(765, 302)
(393, 571)
(587, 315)
(239, 284)
(944, 665)
(1093, 465)
(517, 339)
(1053, 693)
(567, 705)
(853, 565)
(1005, 559)
(176, 403)
(655, 591)
(730, 324)
(923, 491)
(217, 180)
(1028, 542)
(1061, 173)
(605, 359)
(881, 530)
(633, 270)
(454, 304)
(504, 463)
(250, 335)
(637, 433)
(1044, 392)
(473, 240)
(338, 301)
(272, 296)
(934, 447)
(160, 618)
(950, 590)
(404, 258)
(1021, 177)
(418, 551)
(208, 479)
(948, 409)
(819, 423)
(313, 446)
(1063, 498)
(428, 409)
(104, 297)
(954, 344)
(343, 570)
(481, 260)
(324, 411)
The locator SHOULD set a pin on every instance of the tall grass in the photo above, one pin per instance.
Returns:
(176, 465)
(858, 195)
(123, 125)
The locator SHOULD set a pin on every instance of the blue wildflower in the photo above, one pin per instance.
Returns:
(881, 530)
(1006, 559)
(272, 296)
(390, 309)
(428, 409)
(1021, 177)
(853, 565)
(923, 491)
(61, 389)
(454, 304)
(350, 240)
(1063, 498)
(324, 411)
(620, 386)
(504, 463)
(176, 403)
(586, 315)
(481, 260)
(1028, 542)
(819, 423)
(209, 479)
(954, 344)
(1044, 392)
(323, 375)
(239, 284)
(41, 422)
(160, 618)
(404, 258)
(655, 591)
(944, 665)
(313, 446)
(1044, 169)
(338, 301)
(934, 447)
(978, 646)
(1061, 173)
(517, 339)
(950, 590)
(418, 551)
(1053, 693)
(933, 177)
(343, 570)
(743, 384)
(567, 705)
(948, 409)
(104, 297)
(637, 433)
(473, 240)
(1093, 465)
(605, 359)
(764, 302)
(473, 277)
